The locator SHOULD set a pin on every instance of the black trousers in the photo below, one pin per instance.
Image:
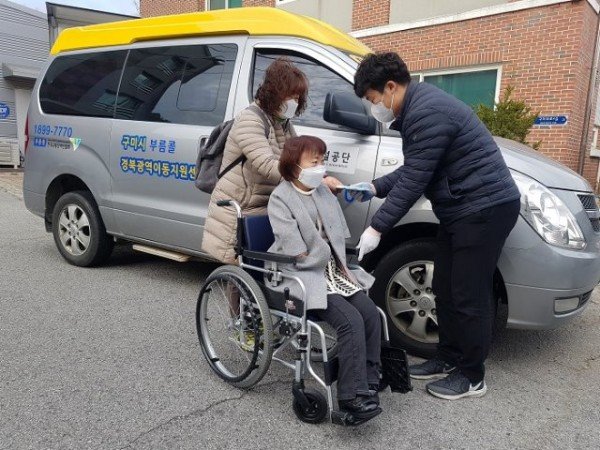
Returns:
(358, 327)
(468, 252)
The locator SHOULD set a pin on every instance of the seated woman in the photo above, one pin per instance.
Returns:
(308, 221)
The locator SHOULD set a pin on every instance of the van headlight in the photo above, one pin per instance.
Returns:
(547, 214)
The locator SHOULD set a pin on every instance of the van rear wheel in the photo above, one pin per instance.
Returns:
(78, 230)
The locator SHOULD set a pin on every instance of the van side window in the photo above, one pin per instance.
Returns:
(185, 84)
(321, 80)
(83, 84)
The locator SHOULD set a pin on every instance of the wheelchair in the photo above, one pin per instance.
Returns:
(243, 325)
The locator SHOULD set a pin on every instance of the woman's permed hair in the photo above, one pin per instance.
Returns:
(292, 152)
(282, 80)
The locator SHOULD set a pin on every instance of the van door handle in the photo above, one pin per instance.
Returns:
(389, 161)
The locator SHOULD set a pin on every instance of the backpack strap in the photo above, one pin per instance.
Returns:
(236, 161)
(242, 158)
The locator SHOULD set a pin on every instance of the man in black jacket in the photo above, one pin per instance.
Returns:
(452, 159)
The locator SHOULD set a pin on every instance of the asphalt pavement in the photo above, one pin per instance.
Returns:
(108, 358)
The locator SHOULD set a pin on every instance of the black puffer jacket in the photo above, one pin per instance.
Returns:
(449, 155)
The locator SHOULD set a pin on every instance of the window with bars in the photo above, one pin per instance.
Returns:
(223, 4)
(473, 86)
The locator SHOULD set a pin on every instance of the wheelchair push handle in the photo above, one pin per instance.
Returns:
(229, 202)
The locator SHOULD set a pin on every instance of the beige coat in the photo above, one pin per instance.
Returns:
(250, 183)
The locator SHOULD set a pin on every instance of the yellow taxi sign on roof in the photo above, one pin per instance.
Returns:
(258, 21)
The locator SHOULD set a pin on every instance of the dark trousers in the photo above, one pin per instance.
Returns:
(468, 252)
(358, 328)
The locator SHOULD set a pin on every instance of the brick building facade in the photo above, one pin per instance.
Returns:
(545, 53)
(544, 49)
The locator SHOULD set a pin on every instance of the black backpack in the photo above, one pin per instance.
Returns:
(210, 155)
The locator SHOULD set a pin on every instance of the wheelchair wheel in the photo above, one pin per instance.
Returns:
(317, 410)
(234, 326)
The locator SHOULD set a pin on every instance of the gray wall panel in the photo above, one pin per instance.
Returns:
(335, 12)
(23, 42)
(402, 11)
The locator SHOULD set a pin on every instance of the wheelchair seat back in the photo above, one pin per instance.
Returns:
(258, 236)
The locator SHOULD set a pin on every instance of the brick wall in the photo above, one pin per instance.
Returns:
(589, 28)
(150, 8)
(369, 13)
(258, 2)
(546, 53)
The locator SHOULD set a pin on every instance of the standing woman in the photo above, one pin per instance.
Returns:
(281, 96)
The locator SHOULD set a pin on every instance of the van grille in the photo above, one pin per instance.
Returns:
(591, 207)
(584, 298)
(588, 202)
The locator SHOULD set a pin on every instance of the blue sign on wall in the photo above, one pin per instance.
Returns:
(4, 110)
(551, 120)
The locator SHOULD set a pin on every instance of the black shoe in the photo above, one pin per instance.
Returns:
(374, 393)
(456, 386)
(358, 410)
(359, 407)
(432, 368)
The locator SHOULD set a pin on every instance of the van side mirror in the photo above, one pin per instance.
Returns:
(348, 110)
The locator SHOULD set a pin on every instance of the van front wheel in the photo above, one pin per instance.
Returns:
(78, 230)
(403, 290)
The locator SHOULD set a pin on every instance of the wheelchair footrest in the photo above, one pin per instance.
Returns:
(347, 419)
(394, 368)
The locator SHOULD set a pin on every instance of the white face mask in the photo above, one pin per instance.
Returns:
(311, 177)
(382, 113)
(288, 109)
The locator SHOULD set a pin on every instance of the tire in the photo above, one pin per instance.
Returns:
(403, 276)
(317, 411)
(78, 230)
(414, 258)
(238, 345)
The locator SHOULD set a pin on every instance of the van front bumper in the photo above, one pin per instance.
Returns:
(546, 286)
(539, 308)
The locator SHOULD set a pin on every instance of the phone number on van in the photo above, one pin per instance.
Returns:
(49, 130)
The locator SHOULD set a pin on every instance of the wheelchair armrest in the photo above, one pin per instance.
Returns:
(267, 256)
(351, 251)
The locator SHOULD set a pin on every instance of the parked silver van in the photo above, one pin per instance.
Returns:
(119, 112)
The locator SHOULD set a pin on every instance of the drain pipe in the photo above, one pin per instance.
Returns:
(588, 103)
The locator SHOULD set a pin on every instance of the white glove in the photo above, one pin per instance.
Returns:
(362, 192)
(368, 242)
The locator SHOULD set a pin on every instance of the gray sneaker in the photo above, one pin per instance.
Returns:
(456, 386)
(433, 368)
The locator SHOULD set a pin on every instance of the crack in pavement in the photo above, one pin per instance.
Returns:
(196, 413)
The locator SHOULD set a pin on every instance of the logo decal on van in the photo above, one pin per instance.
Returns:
(164, 169)
(75, 143)
(341, 159)
(140, 144)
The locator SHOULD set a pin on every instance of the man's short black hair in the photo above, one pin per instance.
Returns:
(377, 69)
